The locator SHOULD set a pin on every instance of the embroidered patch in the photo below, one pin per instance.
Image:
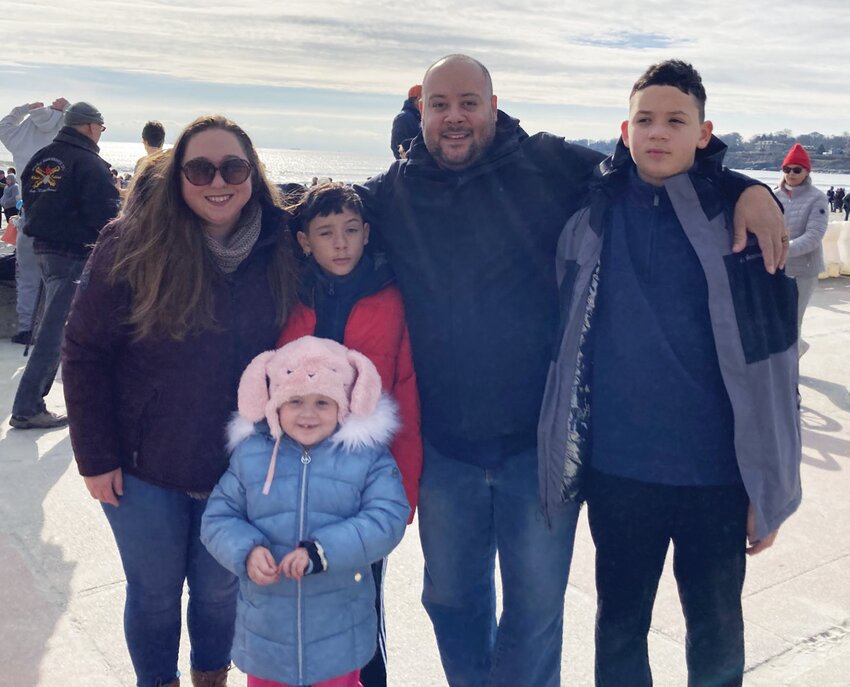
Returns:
(47, 174)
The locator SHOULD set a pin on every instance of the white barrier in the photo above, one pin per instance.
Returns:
(844, 247)
(836, 250)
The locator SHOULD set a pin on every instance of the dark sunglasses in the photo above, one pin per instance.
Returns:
(789, 170)
(200, 172)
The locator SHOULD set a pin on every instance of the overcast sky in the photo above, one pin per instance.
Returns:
(330, 75)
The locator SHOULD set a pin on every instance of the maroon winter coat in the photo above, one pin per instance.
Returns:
(157, 408)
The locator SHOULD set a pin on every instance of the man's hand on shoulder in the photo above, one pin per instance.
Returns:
(757, 212)
(59, 104)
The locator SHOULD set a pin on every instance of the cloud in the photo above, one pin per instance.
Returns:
(632, 40)
(764, 66)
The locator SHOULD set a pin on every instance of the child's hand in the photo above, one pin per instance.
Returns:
(294, 564)
(261, 566)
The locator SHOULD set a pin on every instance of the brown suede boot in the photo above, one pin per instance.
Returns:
(210, 678)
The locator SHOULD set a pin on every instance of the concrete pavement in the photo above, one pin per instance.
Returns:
(61, 583)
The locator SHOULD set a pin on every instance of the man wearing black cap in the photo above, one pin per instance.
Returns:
(68, 197)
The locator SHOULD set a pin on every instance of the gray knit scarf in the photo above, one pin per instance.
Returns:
(230, 254)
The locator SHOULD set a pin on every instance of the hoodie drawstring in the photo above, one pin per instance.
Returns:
(270, 474)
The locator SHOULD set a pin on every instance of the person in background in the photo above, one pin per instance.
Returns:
(406, 123)
(705, 451)
(307, 503)
(68, 197)
(846, 207)
(2, 188)
(10, 196)
(153, 138)
(191, 282)
(349, 297)
(838, 199)
(26, 129)
(806, 218)
(830, 196)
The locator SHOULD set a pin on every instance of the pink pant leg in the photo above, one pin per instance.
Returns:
(348, 680)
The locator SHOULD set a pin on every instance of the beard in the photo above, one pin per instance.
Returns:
(456, 161)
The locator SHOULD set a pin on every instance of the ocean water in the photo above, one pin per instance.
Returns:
(286, 165)
(821, 180)
(282, 165)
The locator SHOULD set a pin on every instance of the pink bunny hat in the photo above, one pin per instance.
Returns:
(308, 365)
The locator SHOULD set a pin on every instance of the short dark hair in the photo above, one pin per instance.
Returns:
(153, 134)
(330, 198)
(678, 74)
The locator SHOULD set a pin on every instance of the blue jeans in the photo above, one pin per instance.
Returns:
(157, 531)
(61, 273)
(466, 514)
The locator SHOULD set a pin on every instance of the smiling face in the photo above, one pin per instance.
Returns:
(218, 204)
(309, 419)
(458, 113)
(663, 132)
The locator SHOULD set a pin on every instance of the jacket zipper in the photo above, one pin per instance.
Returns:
(651, 243)
(302, 517)
(140, 430)
(235, 312)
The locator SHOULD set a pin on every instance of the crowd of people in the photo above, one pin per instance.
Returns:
(839, 201)
(452, 338)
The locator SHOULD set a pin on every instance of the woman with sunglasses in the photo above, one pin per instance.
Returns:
(806, 217)
(182, 291)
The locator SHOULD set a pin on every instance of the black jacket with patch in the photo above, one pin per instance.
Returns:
(68, 192)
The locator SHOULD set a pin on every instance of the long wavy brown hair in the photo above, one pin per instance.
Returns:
(161, 251)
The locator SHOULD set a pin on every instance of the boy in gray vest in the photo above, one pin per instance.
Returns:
(671, 407)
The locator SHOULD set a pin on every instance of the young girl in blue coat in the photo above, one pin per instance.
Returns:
(311, 498)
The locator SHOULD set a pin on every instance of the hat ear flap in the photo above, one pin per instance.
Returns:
(253, 394)
(367, 387)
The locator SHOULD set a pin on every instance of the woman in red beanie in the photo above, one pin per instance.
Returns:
(806, 218)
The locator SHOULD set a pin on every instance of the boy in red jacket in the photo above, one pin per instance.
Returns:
(351, 298)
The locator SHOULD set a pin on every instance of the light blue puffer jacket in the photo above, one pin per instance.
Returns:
(352, 502)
